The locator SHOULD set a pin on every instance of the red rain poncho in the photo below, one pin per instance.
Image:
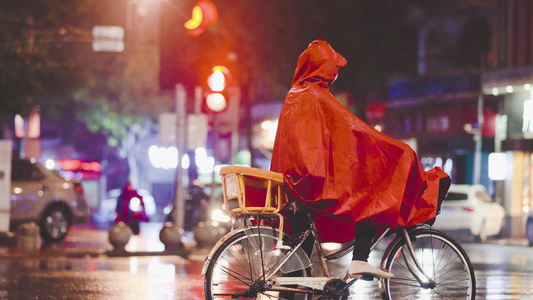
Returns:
(339, 166)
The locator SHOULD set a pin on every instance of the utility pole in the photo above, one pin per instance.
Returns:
(181, 123)
(478, 138)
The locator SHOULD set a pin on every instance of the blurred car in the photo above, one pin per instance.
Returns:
(529, 228)
(199, 209)
(469, 207)
(42, 196)
(206, 218)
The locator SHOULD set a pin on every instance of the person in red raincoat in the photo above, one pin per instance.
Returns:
(345, 170)
(130, 214)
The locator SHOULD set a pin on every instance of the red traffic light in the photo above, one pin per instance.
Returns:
(217, 81)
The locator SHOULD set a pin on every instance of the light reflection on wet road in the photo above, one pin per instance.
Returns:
(502, 272)
(163, 277)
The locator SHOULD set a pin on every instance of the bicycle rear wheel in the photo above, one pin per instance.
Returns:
(441, 258)
(238, 267)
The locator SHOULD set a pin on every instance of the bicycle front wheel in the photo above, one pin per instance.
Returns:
(441, 258)
(238, 269)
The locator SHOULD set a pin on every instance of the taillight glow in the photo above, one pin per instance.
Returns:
(78, 188)
(468, 208)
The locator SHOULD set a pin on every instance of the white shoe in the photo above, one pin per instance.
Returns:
(359, 267)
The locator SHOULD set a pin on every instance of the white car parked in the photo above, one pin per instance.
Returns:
(42, 196)
(469, 207)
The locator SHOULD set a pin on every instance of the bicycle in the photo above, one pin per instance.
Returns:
(259, 261)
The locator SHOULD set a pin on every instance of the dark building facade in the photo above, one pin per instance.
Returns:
(472, 98)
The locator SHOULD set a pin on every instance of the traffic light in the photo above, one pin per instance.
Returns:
(204, 14)
(217, 81)
(176, 46)
(182, 49)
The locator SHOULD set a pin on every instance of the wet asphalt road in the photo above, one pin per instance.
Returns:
(164, 277)
(503, 271)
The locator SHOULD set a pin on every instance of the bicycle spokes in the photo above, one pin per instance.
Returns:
(448, 270)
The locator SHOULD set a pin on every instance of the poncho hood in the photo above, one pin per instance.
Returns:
(339, 166)
(319, 64)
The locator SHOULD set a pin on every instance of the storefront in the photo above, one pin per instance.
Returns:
(516, 87)
(438, 117)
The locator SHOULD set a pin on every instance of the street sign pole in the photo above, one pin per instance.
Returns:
(181, 123)
(5, 184)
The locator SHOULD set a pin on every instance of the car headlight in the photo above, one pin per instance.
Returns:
(135, 204)
(219, 216)
(167, 209)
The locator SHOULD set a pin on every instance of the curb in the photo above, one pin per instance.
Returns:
(115, 253)
(13, 253)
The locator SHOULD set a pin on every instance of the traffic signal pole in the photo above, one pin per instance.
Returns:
(181, 140)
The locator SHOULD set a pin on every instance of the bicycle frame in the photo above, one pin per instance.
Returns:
(424, 280)
(319, 282)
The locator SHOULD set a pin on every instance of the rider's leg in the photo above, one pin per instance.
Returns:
(359, 265)
(363, 241)
(299, 222)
